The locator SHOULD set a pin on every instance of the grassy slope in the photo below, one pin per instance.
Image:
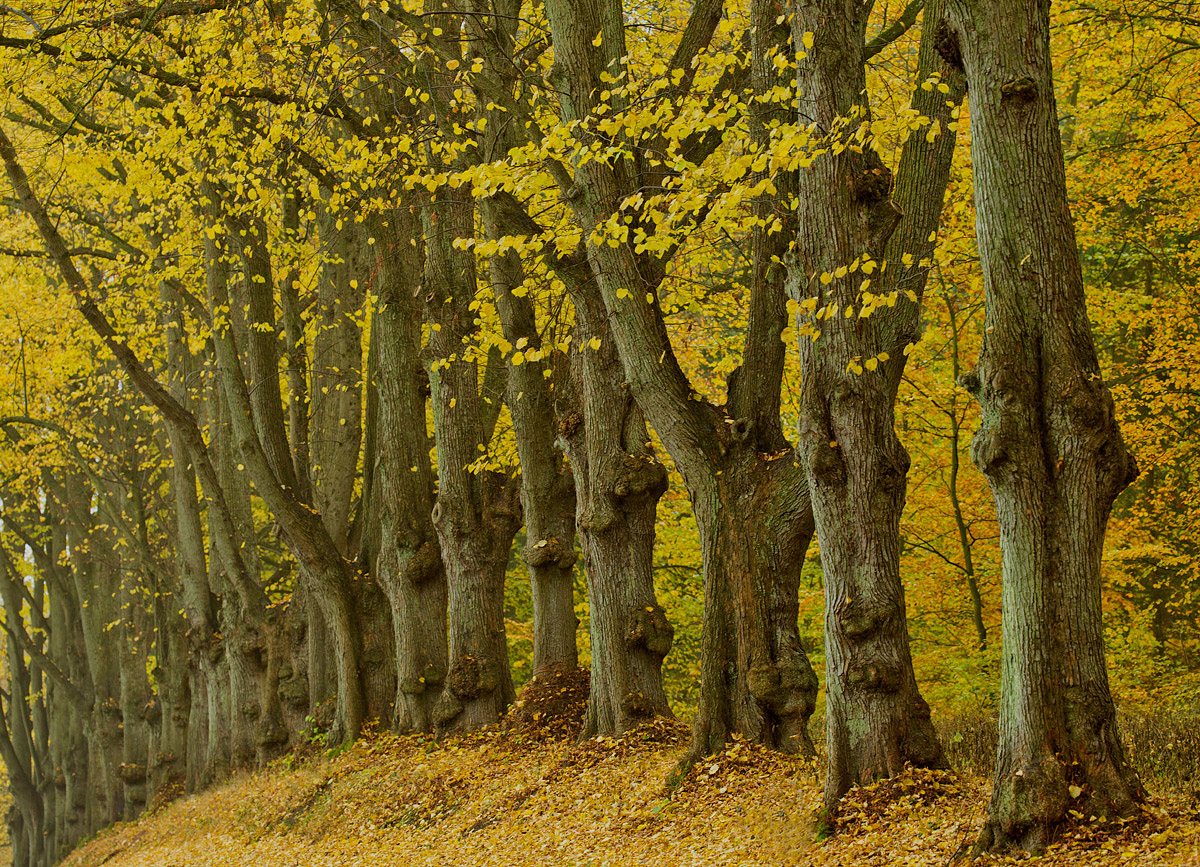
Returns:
(490, 800)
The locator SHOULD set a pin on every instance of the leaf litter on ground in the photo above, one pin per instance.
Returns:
(505, 798)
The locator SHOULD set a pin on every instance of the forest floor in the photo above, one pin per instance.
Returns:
(506, 800)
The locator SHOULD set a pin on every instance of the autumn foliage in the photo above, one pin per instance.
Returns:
(413, 414)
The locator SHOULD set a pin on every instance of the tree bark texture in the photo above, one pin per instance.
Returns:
(336, 393)
(618, 482)
(409, 564)
(477, 513)
(1048, 441)
(877, 721)
(547, 486)
(770, 699)
(332, 577)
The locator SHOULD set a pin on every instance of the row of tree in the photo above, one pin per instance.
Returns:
(382, 289)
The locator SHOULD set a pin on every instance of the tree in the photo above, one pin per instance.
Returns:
(1048, 441)
(857, 228)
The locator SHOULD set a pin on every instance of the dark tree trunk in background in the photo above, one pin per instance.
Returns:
(408, 564)
(332, 578)
(477, 513)
(618, 482)
(756, 679)
(755, 518)
(336, 394)
(335, 448)
(478, 510)
(254, 714)
(1048, 442)
(547, 486)
(201, 644)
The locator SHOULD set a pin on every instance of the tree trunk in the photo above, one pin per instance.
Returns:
(1048, 442)
(852, 349)
(135, 698)
(477, 511)
(336, 432)
(618, 482)
(722, 452)
(756, 679)
(255, 715)
(296, 355)
(16, 741)
(192, 644)
(336, 419)
(308, 539)
(200, 640)
(408, 564)
(547, 487)
(94, 588)
(964, 534)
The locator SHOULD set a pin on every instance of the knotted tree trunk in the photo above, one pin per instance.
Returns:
(755, 678)
(618, 482)
(408, 564)
(856, 228)
(1048, 440)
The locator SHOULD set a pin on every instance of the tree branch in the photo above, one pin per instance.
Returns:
(893, 32)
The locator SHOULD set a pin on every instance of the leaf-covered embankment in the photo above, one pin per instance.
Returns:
(491, 800)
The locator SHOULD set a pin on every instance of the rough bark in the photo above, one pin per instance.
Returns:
(478, 508)
(756, 679)
(195, 597)
(308, 539)
(851, 213)
(769, 692)
(408, 564)
(478, 511)
(336, 401)
(618, 482)
(1048, 442)
(335, 447)
(547, 486)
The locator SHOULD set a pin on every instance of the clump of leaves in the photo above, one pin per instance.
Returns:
(866, 806)
(660, 731)
(551, 707)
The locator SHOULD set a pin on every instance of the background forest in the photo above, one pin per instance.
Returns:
(300, 362)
